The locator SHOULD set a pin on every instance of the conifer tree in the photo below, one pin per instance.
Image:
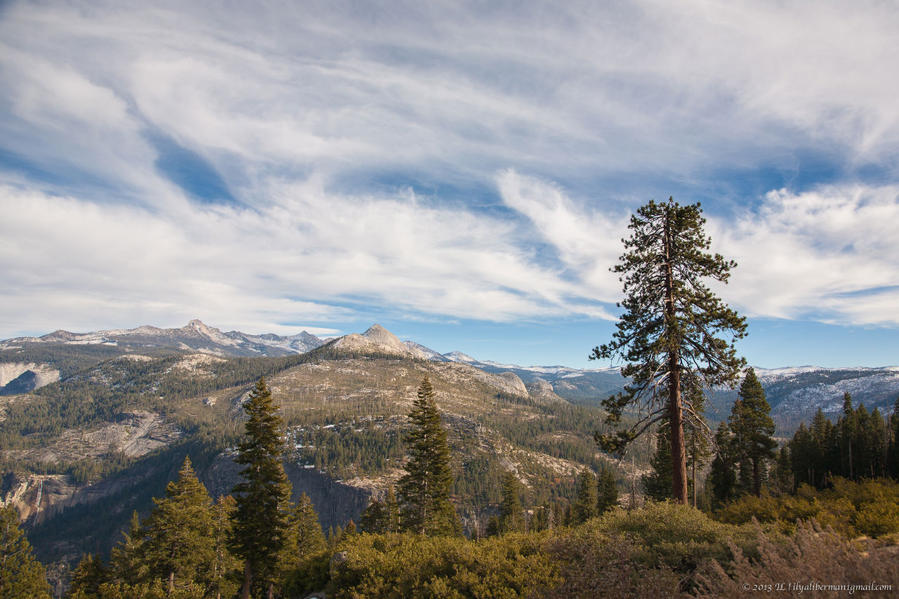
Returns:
(752, 428)
(607, 491)
(672, 334)
(511, 514)
(381, 515)
(722, 479)
(304, 558)
(21, 575)
(783, 472)
(657, 482)
(218, 576)
(304, 522)
(177, 533)
(847, 433)
(260, 519)
(374, 517)
(424, 490)
(894, 441)
(127, 563)
(585, 501)
(87, 577)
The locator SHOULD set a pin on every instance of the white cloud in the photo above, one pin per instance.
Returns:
(89, 265)
(292, 103)
(824, 253)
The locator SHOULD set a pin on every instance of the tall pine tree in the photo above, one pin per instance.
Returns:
(424, 490)
(260, 520)
(673, 332)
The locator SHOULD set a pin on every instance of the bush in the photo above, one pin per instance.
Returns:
(675, 536)
(869, 507)
(409, 565)
(812, 555)
(596, 566)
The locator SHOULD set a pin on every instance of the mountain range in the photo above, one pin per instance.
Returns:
(794, 393)
(95, 424)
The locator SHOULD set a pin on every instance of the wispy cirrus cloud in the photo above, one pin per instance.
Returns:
(287, 162)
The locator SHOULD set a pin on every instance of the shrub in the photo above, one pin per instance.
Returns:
(869, 507)
(812, 555)
(673, 535)
(408, 565)
(596, 566)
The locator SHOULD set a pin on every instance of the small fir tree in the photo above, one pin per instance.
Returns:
(607, 491)
(752, 429)
(126, 560)
(511, 514)
(87, 577)
(585, 501)
(260, 520)
(657, 483)
(424, 490)
(220, 571)
(21, 575)
(722, 479)
(177, 533)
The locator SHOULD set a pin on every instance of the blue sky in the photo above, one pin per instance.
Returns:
(460, 172)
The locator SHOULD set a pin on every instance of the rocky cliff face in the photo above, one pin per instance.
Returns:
(21, 377)
(55, 508)
(335, 502)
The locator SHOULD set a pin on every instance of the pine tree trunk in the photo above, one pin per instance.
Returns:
(693, 476)
(247, 580)
(756, 478)
(675, 409)
(678, 455)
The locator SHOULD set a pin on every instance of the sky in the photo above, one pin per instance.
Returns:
(459, 172)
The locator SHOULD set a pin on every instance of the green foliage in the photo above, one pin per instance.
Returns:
(586, 502)
(424, 489)
(381, 515)
(260, 520)
(607, 491)
(87, 577)
(678, 536)
(21, 575)
(220, 571)
(409, 565)
(722, 479)
(304, 550)
(176, 534)
(657, 483)
(751, 427)
(671, 332)
(511, 514)
(869, 507)
(593, 565)
(857, 447)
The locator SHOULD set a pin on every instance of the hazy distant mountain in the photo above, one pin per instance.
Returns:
(195, 336)
(794, 393)
(376, 341)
